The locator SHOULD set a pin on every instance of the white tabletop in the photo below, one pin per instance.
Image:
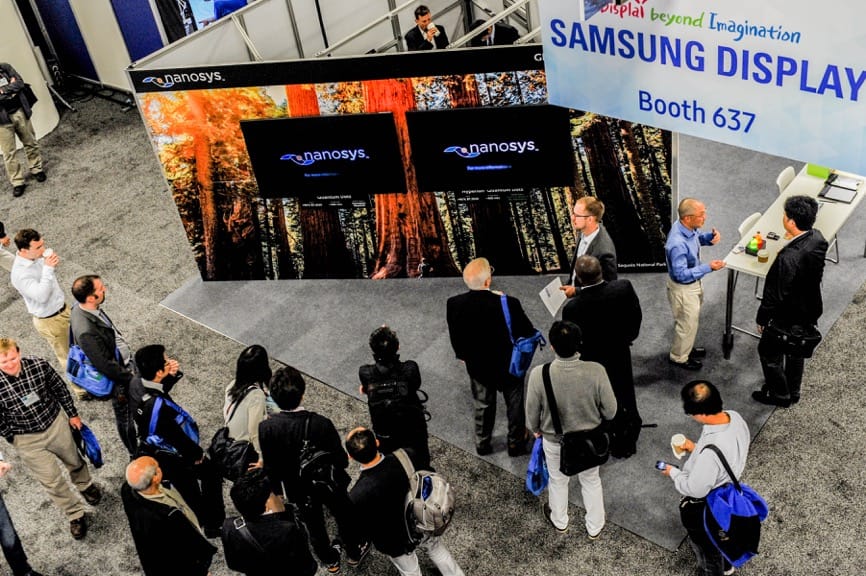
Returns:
(831, 217)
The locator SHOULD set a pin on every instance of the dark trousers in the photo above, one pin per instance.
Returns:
(710, 561)
(783, 374)
(201, 487)
(12, 548)
(123, 419)
(343, 511)
(485, 410)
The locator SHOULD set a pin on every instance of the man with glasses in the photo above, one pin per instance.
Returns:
(479, 336)
(591, 239)
(33, 275)
(685, 270)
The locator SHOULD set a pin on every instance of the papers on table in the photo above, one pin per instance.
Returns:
(552, 296)
(837, 194)
(845, 182)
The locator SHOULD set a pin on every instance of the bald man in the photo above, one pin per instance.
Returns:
(479, 336)
(685, 270)
(167, 534)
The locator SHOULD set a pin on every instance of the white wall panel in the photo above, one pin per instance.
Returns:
(104, 41)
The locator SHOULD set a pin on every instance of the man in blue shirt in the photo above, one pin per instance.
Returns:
(685, 270)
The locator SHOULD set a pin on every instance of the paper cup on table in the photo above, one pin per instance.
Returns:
(677, 440)
(763, 256)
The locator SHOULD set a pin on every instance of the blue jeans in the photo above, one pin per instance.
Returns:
(12, 548)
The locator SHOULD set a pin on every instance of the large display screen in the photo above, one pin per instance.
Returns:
(507, 148)
(325, 158)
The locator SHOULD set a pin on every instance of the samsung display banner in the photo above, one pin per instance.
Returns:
(787, 78)
(362, 167)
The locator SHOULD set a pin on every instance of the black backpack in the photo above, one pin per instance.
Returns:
(316, 468)
(624, 431)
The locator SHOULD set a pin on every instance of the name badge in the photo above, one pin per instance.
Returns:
(3, 82)
(30, 399)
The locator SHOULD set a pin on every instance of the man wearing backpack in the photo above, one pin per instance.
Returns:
(282, 439)
(584, 398)
(380, 498)
(391, 387)
(170, 435)
(703, 471)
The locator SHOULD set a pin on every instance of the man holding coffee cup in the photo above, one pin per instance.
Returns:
(425, 35)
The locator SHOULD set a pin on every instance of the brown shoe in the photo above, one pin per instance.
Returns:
(78, 528)
(92, 494)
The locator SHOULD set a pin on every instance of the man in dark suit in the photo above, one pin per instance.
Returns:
(479, 336)
(592, 239)
(104, 346)
(609, 317)
(166, 531)
(499, 34)
(425, 35)
(792, 297)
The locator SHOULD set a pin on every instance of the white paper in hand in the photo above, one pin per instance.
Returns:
(552, 296)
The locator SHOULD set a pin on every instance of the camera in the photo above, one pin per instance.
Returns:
(661, 465)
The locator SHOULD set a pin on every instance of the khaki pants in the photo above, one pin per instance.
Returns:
(55, 330)
(7, 258)
(685, 300)
(39, 452)
(20, 125)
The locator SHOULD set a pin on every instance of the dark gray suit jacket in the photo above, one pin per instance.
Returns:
(98, 342)
(601, 247)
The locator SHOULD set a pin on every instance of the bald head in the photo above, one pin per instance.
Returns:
(588, 270)
(477, 273)
(140, 473)
(692, 213)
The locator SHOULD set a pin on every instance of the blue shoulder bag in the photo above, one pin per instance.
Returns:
(523, 348)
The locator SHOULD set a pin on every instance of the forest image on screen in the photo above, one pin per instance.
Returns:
(522, 224)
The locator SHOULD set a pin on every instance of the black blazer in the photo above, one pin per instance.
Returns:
(792, 290)
(415, 40)
(98, 342)
(503, 35)
(479, 336)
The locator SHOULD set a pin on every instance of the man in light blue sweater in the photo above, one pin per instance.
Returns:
(703, 471)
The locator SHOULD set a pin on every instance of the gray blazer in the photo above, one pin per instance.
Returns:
(601, 247)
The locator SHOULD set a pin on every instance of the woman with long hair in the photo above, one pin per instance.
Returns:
(246, 397)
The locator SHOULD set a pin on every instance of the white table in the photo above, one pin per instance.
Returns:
(831, 217)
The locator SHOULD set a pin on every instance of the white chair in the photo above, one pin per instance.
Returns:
(785, 177)
(744, 227)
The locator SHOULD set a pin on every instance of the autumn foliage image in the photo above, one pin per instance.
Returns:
(237, 234)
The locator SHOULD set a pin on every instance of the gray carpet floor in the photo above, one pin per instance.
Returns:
(105, 209)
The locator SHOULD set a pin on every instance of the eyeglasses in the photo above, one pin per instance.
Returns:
(581, 215)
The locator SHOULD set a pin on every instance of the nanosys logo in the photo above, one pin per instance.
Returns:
(476, 150)
(307, 158)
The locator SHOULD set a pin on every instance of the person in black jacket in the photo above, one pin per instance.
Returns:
(105, 347)
(15, 112)
(266, 539)
(792, 297)
(425, 35)
(391, 387)
(499, 34)
(609, 317)
(479, 336)
(165, 529)
(281, 437)
(174, 439)
(380, 497)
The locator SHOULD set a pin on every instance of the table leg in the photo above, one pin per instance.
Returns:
(728, 337)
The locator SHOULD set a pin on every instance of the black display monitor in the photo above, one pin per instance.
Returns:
(325, 158)
(508, 148)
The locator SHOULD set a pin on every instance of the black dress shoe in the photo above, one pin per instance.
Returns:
(18, 191)
(690, 364)
(698, 352)
(484, 449)
(40, 176)
(765, 397)
(78, 528)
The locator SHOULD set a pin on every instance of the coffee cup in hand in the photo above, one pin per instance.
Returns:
(677, 441)
(48, 252)
(432, 26)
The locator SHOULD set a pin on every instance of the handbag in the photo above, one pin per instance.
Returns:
(799, 341)
(733, 516)
(582, 449)
(232, 457)
(537, 475)
(87, 444)
(523, 349)
(81, 372)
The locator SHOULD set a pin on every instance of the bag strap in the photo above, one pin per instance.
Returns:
(154, 415)
(727, 466)
(306, 437)
(241, 527)
(551, 399)
(504, 300)
(236, 403)
(403, 458)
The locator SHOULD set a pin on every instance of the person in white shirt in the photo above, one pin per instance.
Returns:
(33, 275)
